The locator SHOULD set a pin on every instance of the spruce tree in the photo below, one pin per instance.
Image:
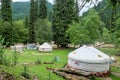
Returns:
(36, 9)
(63, 15)
(43, 9)
(6, 10)
(32, 21)
(26, 23)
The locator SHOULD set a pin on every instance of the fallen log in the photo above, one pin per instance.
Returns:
(48, 62)
(117, 54)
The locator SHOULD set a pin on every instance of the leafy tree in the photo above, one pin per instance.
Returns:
(77, 34)
(6, 10)
(15, 33)
(31, 24)
(20, 32)
(87, 31)
(93, 25)
(6, 29)
(43, 9)
(43, 32)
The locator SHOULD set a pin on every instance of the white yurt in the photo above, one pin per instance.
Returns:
(18, 47)
(88, 58)
(45, 47)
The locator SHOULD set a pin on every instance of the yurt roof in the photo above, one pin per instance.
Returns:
(45, 45)
(89, 54)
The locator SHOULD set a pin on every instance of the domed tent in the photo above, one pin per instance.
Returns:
(88, 58)
(45, 47)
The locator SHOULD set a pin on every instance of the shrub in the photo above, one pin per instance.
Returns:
(38, 61)
(15, 57)
(3, 58)
(25, 72)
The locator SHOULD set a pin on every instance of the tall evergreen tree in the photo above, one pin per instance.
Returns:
(26, 23)
(50, 14)
(32, 21)
(63, 14)
(43, 9)
(6, 10)
(36, 9)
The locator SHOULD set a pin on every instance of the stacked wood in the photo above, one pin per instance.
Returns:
(69, 74)
(76, 72)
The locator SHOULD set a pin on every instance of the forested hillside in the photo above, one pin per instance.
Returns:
(21, 9)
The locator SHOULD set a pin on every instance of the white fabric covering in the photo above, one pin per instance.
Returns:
(89, 58)
(45, 47)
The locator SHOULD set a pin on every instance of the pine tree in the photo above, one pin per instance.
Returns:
(6, 10)
(26, 23)
(63, 15)
(32, 21)
(50, 16)
(43, 9)
(36, 10)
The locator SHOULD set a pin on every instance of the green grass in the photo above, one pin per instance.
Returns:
(30, 56)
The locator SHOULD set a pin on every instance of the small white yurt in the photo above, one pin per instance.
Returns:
(45, 47)
(88, 58)
(18, 47)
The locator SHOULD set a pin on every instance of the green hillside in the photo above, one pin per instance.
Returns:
(21, 9)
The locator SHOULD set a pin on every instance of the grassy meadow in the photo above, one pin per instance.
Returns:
(29, 57)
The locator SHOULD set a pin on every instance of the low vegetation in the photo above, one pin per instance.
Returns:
(26, 63)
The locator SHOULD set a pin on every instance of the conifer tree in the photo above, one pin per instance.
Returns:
(26, 23)
(43, 9)
(63, 15)
(32, 21)
(6, 10)
(36, 9)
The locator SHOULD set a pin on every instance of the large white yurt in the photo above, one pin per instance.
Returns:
(45, 47)
(88, 58)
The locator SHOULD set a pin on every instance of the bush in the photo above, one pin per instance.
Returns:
(3, 58)
(14, 33)
(15, 57)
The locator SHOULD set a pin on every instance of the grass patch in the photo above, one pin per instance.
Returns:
(31, 56)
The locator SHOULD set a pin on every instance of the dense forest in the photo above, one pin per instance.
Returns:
(100, 23)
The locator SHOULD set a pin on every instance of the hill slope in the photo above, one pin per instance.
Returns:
(21, 9)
